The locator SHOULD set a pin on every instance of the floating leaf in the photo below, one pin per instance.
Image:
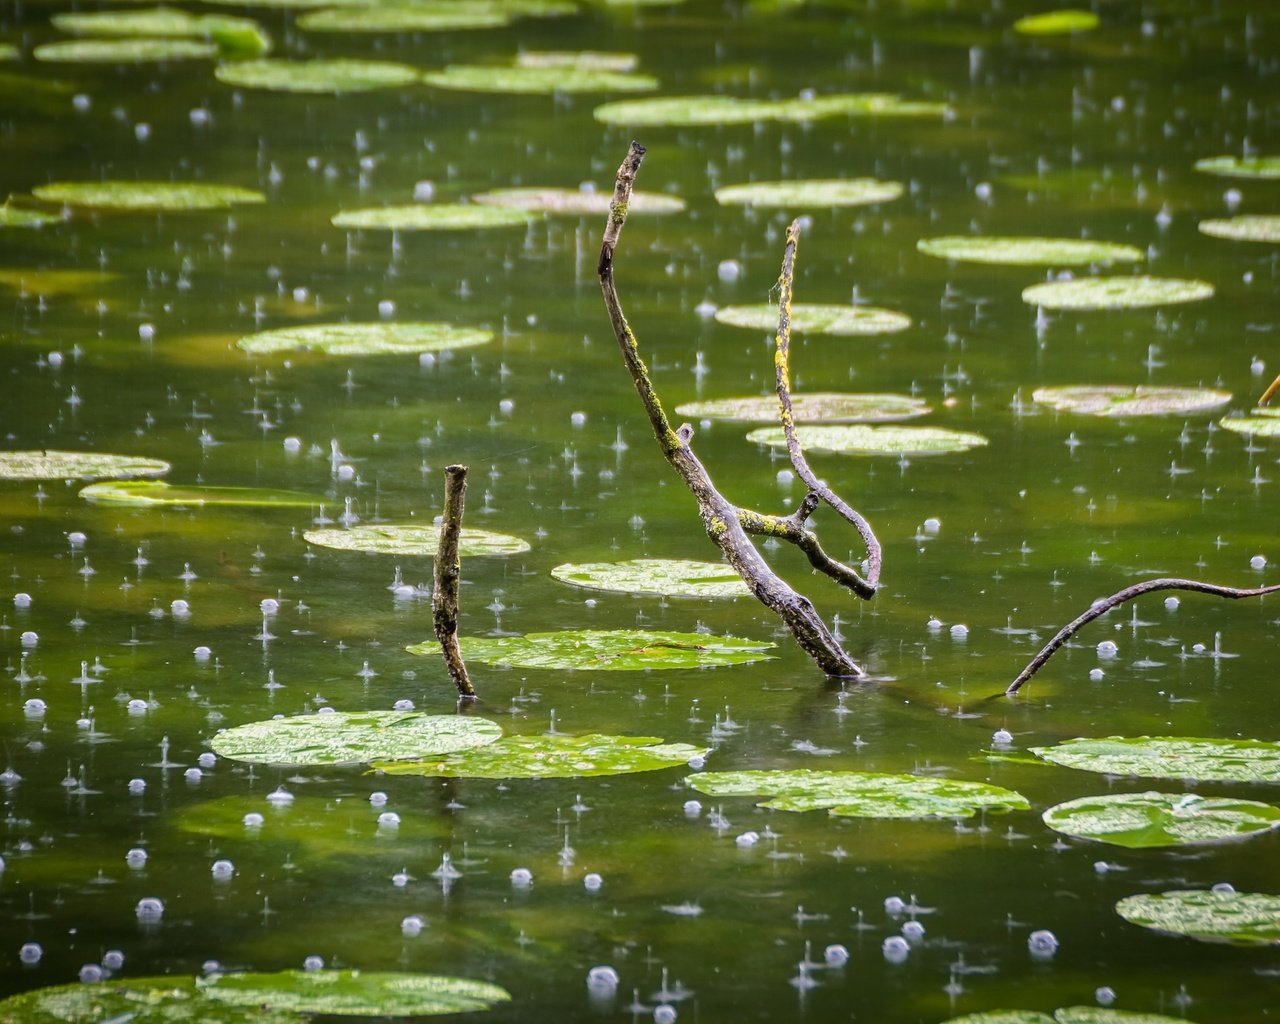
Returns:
(431, 217)
(317, 76)
(1054, 23)
(1240, 918)
(231, 34)
(1003, 1017)
(365, 339)
(663, 577)
(147, 196)
(575, 201)
(161, 1000)
(405, 17)
(859, 440)
(9, 52)
(587, 60)
(814, 407)
(862, 794)
(1241, 166)
(1117, 401)
(123, 51)
(1140, 820)
(353, 737)
(55, 465)
(153, 493)
(1029, 251)
(13, 217)
(413, 539)
(616, 650)
(1170, 757)
(1251, 227)
(1259, 423)
(815, 318)
(353, 993)
(813, 193)
(553, 757)
(539, 81)
(1116, 292)
(1105, 1015)
(692, 111)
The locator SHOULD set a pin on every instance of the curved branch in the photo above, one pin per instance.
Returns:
(448, 570)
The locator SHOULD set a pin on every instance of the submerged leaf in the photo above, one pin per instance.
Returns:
(1029, 251)
(815, 193)
(431, 217)
(575, 201)
(1251, 227)
(1053, 23)
(537, 80)
(1118, 401)
(1141, 820)
(663, 577)
(317, 76)
(814, 407)
(413, 539)
(366, 339)
(13, 217)
(55, 465)
(123, 51)
(1241, 166)
(817, 318)
(856, 439)
(618, 650)
(147, 196)
(144, 494)
(1116, 292)
(160, 1000)
(1240, 918)
(1170, 757)
(353, 993)
(1259, 423)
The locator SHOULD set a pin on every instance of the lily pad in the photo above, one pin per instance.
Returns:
(13, 217)
(1170, 757)
(1260, 423)
(537, 81)
(812, 193)
(161, 1000)
(575, 201)
(55, 465)
(431, 217)
(663, 577)
(147, 493)
(414, 539)
(1116, 292)
(814, 407)
(353, 737)
(1055, 23)
(1241, 166)
(317, 76)
(1249, 227)
(365, 339)
(147, 196)
(815, 318)
(1003, 1017)
(404, 17)
(553, 757)
(862, 794)
(587, 60)
(231, 34)
(123, 51)
(1240, 918)
(856, 439)
(1141, 820)
(612, 650)
(353, 993)
(693, 111)
(1117, 401)
(1029, 251)
(1106, 1015)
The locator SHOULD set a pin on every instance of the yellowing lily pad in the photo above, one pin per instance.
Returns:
(56, 465)
(332, 77)
(159, 1000)
(414, 539)
(1142, 820)
(1118, 402)
(1028, 251)
(365, 339)
(13, 217)
(1116, 292)
(591, 60)
(431, 217)
(812, 407)
(662, 577)
(535, 80)
(815, 318)
(1170, 757)
(147, 196)
(1239, 918)
(812, 193)
(1241, 166)
(352, 993)
(575, 201)
(693, 111)
(123, 51)
(1260, 423)
(613, 650)
(1250, 227)
(1055, 23)
(148, 493)
(856, 439)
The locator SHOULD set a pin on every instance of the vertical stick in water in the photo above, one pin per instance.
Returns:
(444, 596)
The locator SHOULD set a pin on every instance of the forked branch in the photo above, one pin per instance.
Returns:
(448, 570)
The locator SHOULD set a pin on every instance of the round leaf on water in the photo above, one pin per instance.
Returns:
(239, 34)
(862, 794)
(616, 650)
(692, 111)
(1054, 252)
(1003, 1017)
(1240, 918)
(1241, 167)
(538, 81)
(815, 318)
(1260, 423)
(1053, 23)
(554, 757)
(405, 17)
(143, 494)
(353, 993)
(856, 439)
(353, 737)
(815, 407)
(147, 196)
(55, 465)
(413, 539)
(1118, 401)
(1116, 292)
(1106, 1015)
(317, 76)
(161, 1000)
(1251, 227)
(592, 60)
(365, 339)
(1140, 820)
(575, 201)
(123, 51)
(13, 217)
(664, 577)
(431, 217)
(814, 193)
(1170, 757)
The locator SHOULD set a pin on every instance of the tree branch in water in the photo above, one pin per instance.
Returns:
(448, 571)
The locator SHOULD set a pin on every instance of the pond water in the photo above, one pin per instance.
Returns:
(1087, 135)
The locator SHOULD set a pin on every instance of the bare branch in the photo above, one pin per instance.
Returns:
(448, 570)
(1270, 392)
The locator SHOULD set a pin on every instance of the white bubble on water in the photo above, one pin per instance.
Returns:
(1108, 649)
(30, 952)
(136, 858)
(149, 909)
(1258, 562)
(521, 878)
(1042, 944)
(113, 959)
(378, 798)
(313, 963)
(388, 819)
(22, 600)
(90, 974)
(293, 444)
(692, 808)
(729, 270)
(202, 653)
(593, 882)
(895, 949)
(222, 870)
(748, 839)
(411, 927)
(602, 979)
(664, 1013)
(836, 955)
(29, 638)
(253, 820)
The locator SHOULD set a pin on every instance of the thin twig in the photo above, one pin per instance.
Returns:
(1119, 598)
(1270, 392)
(448, 571)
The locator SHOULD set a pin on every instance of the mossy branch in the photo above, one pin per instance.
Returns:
(448, 572)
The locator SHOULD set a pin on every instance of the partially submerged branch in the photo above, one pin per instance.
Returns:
(1119, 598)
(448, 570)
(1270, 392)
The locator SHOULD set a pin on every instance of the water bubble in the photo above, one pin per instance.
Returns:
(934, 625)
(293, 444)
(403, 704)
(29, 638)
(386, 309)
(31, 952)
(207, 760)
(896, 949)
(913, 931)
(136, 858)
(1001, 738)
(202, 653)
(22, 600)
(378, 798)
(1258, 562)
(1105, 995)
(578, 419)
(729, 270)
(602, 979)
(959, 631)
(894, 905)
(34, 707)
(179, 608)
(1222, 887)
(90, 973)
(76, 539)
(692, 808)
(932, 525)
(137, 706)
(424, 191)
(313, 963)
(1107, 649)
(748, 839)
(388, 819)
(1171, 604)
(280, 797)
(113, 959)
(592, 882)
(149, 909)
(1096, 674)
(400, 879)
(268, 606)
(137, 786)
(192, 774)
(664, 1013)
(411, 927)
(522, 878)
(835, 955)
(1042, 944)
(706, 309)
(253, 820)
(222, 870)
(697, 761)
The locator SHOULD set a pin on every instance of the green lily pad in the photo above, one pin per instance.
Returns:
(586, 60)
(414, 539)
(1140, 820)
(1250, 227)
(13, 217)
(1259, 423)
(862, 794)
(365, 339)
(1240, 918)
(431, 217)
(231, 34)
(815, 318)
(694, 111)
(162, 1000)
(1170, 757)
(55, 465)
(147, 196)
(812, 193)
(9, 52)
(1117, 401)
(353, 993)
(575, 201)
(662, 577)
(151, 493)
(612, 650)
(333, 76)
(1056, 23)
(404, 17)
(1003, 1017)
(553, 757)
(353, 737)
(1241, 166)
(123, 51)
(537, 81)
(1106, 1015)
(814, 407)
(1116, 292)
(856, 439)
(1029, 251)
